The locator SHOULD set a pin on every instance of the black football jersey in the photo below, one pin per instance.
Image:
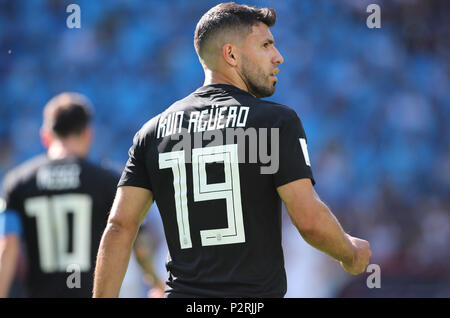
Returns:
(63, 207)
(213, 162)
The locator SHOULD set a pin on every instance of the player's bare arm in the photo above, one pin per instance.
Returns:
(129, 210)
(320, 228)
(9, 253)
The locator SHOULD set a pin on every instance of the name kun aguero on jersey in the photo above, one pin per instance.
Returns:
(213, 118)
(212, 122)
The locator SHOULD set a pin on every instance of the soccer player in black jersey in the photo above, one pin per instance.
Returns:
(218, 163)
(59, 204)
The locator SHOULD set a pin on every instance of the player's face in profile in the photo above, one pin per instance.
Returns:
(260, 60)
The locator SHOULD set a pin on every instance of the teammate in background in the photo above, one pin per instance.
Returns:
(143, 252)
(222, 216)
(59, 204)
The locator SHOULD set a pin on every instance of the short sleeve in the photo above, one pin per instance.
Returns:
(10, 223)
(294, 160)
(135, 173)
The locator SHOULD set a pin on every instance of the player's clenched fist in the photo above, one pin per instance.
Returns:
(361, 257)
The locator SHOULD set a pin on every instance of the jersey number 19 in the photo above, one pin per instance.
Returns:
(230, 190)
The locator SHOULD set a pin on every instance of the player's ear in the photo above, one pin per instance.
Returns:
(90, 133)
(229, 54)
(46, 137)
(88, 136)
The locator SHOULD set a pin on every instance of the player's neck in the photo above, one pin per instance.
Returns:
(213, 77)
(60, 149)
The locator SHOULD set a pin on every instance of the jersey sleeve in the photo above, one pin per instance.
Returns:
(10, 222)
(294, 160)
(135, 173)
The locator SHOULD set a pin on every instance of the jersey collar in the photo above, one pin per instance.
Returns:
(221, 88)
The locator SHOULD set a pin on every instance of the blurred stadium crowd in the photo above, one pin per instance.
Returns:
(375, 104)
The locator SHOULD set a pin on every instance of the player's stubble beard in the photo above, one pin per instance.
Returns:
(257, 81)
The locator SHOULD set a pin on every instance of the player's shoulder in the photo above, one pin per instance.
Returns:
(146, 130)
(282, 109)
(149, 128)
(278, 113)
(23, 173)
(100, 171)
(181, 105)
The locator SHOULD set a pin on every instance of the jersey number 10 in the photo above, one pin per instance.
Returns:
(230, 190)
(52, 220)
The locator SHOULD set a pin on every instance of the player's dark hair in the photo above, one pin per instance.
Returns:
(67, 114)
(227, 16)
